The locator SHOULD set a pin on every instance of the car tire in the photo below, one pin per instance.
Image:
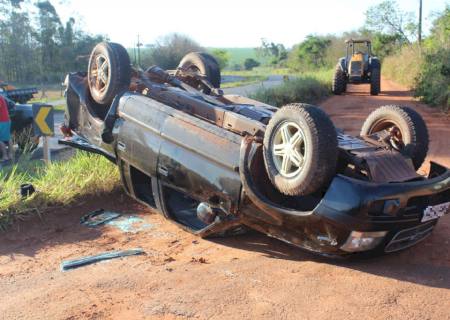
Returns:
(339, 84)
(109, 72)
(312, 159)
(203, 63)
(411, 138)
(375, 79)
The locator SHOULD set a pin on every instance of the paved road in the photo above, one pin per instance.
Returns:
(271, 82)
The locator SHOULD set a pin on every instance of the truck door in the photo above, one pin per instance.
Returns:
(200, 160)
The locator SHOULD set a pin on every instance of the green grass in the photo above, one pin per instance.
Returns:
(310, 87)
(57, 185)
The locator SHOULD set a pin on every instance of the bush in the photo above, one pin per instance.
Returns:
(308, 88)
(222, 57)
(169, 50)
(250, 63)
(310, 54)
(433, 81)
(404, 66)
(425, 70)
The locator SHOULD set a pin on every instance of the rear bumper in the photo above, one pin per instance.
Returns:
(349, 206)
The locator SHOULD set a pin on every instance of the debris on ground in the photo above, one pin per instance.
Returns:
(199, 260)
(26, 190)
(130, 224)
(98, 217)
(72, 264)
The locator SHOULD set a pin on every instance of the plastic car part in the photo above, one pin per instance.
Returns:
(363, 241)
(407, 130)
(300, 149)
(72, 264)
(98, 217)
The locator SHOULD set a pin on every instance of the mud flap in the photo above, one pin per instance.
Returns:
(80, 143)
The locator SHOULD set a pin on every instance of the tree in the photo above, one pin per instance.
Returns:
(385, 44)
(276, 52)
(310, 54)
(36, 47)
(222, 57)
(250, 63)
(440, 31)
(49, 36)
(170, 49)
(387, 18)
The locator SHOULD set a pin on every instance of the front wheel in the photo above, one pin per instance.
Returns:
(202, 64)
(339, 84)
(300, 149)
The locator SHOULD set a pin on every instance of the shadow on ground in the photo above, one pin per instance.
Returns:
(423, 264)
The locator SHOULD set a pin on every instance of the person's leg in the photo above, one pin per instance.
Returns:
(11, 151)
(5, 135)
(4, 152)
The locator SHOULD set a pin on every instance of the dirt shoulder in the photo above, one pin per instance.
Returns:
(243, 277)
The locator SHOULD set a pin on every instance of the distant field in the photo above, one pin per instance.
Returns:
(238, 55)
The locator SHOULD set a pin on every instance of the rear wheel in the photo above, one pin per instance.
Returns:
(109, 72)
(375, 79)
(203, 64)
(339, 81)
(407, 129)
(300, 149)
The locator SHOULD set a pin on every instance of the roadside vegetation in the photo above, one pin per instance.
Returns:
(310, 87)
(37, 47)
(420, 64)
(57, 185)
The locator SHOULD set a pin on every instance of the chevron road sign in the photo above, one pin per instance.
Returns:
(43, 120)
(43, 124)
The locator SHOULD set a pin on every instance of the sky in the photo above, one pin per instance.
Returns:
(230, 23)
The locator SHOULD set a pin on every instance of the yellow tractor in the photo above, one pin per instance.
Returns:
(358, 66)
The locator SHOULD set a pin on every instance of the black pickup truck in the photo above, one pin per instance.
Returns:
(213, 162)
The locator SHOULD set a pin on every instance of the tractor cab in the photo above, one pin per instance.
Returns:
(358, 53)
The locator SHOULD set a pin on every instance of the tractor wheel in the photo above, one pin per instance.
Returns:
(300, 149)
(109, 72)
(375, 80)
(339, 81)
(203, 64)
(409, 133)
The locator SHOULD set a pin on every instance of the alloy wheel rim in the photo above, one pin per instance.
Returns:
(99, 75)
(289, 149)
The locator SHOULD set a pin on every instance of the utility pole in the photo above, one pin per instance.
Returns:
(139, 45)
(420, 22)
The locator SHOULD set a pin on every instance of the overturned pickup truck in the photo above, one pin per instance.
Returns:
(216, 163)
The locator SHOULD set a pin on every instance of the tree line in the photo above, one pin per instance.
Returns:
(36, 47)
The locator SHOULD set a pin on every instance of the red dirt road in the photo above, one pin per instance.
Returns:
(244, 277)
